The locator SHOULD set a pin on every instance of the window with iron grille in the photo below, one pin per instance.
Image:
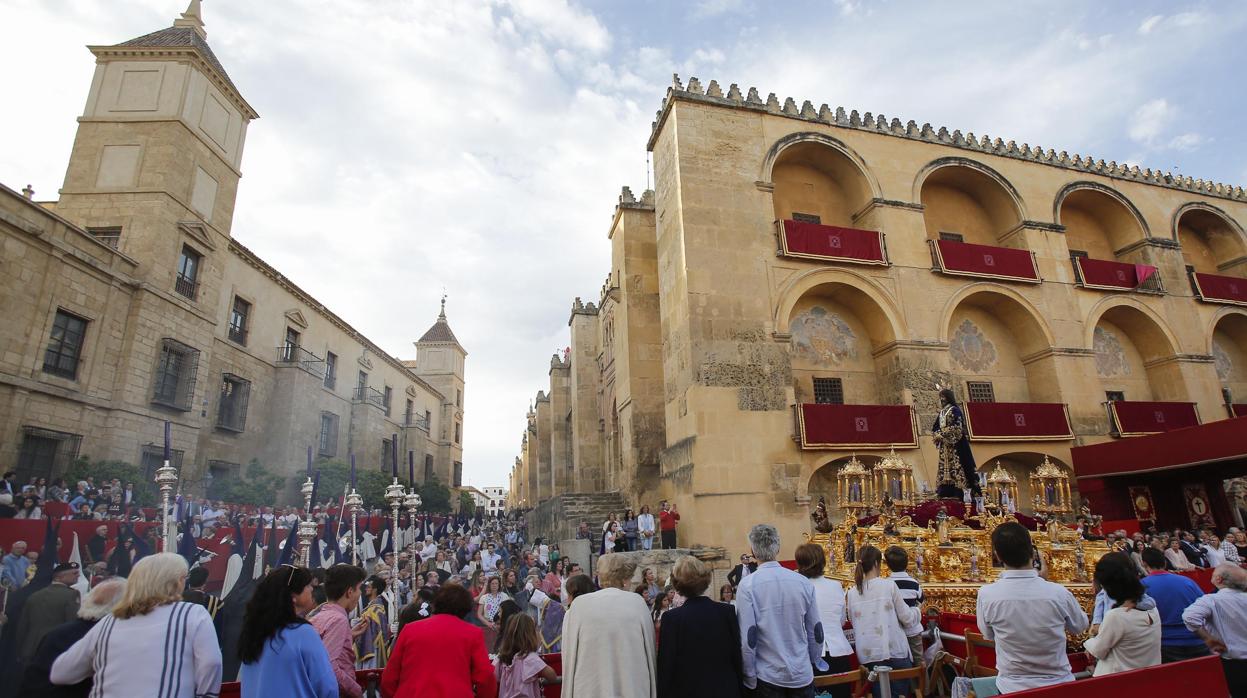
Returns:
(232, 408)
(458, 398)
(110, 236)
(410, 414)
(152, 458)
(387, 398)
(239, 319)
(458, 432)
(64, 349)
(953, 237)
(187, 281)
(428, 468)
(828, 391)
(980, 391)
(807, 218)
(45, 453)
(458, 474)
(331, 370)
(387, 454)
(290, 349)
(362, 382)
(1114, 396)
(328, 435)
(223, 469)
(176, 368)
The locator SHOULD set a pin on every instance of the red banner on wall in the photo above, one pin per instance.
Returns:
(1136, 418)
(829, 242)
(1221, 289)
(1101, 273)
(1141, 499)
(1017, 421)
(966, 259)
(856, 426)
(1197, 506)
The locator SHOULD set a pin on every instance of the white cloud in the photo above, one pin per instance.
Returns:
(1187, 141)
(1182, 20)
(1150, 23)
(706, 9)
(1149, 120)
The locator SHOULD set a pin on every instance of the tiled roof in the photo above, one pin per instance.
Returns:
(439, 332)
(180, 37)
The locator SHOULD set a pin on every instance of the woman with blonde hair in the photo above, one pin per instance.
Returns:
(153, 644)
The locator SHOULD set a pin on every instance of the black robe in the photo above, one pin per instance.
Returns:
(956, 432)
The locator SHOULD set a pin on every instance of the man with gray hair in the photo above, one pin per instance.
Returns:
(781, 635)
(1220, 620)
(97, 604)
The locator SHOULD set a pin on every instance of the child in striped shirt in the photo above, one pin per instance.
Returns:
(911, 591)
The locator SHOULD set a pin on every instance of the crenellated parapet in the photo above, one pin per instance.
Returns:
(879, 123)
(628, 200)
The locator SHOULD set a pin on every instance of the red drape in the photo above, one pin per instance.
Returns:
(1202, 577)
(1101, 273)
(1215, 441)
(1001, 421)
(1240, 409)
(1135, 418)
(826, 426)
(1215, 287)
(984, 260)
(831, 242)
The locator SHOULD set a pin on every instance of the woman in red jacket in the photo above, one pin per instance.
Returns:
(442, 656)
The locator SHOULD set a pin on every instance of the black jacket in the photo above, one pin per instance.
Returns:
(35, 680)
(699, 651)
(738, 573)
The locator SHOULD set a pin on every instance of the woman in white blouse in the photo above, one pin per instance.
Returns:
(880, 617)
(1129, 636)
(811, 561)
(645, 528)
(152, 639)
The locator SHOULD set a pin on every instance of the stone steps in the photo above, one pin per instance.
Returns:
(559, 517)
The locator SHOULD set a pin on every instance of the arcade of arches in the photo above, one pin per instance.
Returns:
(812, 284)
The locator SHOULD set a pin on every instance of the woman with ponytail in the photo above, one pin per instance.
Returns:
(281, 652)
(881, 619)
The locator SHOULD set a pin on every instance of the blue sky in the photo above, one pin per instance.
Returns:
(406, 146)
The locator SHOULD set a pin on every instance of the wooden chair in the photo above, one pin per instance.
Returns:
(973, 668)
(849, 677)
(916, 674)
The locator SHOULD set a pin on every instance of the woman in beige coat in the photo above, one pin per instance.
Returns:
(1129, 636)
(608, 638)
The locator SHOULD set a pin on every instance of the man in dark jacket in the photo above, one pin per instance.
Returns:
(746, 567)
(47, 608)
(97, 545)
(195, 593)
(99, 603)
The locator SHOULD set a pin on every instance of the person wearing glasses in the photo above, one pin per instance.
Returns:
(281, 652)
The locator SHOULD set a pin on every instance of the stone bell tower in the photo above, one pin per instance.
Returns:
(156, 161)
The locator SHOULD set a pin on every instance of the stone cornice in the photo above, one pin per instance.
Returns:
(1160, 243)
(733, 99)
(254, 261)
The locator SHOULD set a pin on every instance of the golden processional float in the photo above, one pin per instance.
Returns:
(949, 544)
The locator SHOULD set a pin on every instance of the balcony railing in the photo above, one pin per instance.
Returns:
(367, 395)
(855, 426)
(1017, 421)
(983, 261)
(1215, 288)
(830, 243)
(291, 355)
(1130, 418)
(1116, 276)
(417, 422)
(185, 286)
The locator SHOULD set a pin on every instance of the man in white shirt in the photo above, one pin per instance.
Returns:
(1211, 547)
(1220, 620)
(1027, 617)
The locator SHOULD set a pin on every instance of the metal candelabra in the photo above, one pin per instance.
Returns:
(307, 526)
(354, 503)
(394, 494)
(166, 480)
(412, 503)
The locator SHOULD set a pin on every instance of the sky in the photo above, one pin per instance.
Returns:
(406, 147)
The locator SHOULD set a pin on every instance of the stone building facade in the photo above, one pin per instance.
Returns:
(795, 266)
(128, 302)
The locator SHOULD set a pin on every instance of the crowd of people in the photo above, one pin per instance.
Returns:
(471, 607)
